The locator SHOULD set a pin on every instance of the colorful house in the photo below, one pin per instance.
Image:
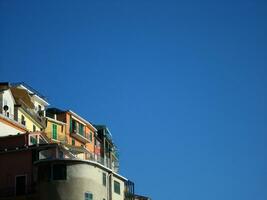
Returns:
(79, 136)
(21, 109)
(8, 123)
(24, 111)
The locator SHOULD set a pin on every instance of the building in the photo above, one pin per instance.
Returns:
(79, 133)
(48, 153)
(9, 125)
(21, 109)
(49, 171)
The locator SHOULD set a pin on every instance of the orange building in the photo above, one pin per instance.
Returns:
(80, 134)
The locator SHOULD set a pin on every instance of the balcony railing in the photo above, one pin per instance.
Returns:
(82, 136)
(13, 118)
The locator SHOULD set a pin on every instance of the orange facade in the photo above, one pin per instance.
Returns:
(73, 136)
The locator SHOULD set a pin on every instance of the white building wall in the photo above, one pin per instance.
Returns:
(81, 178)
(7, 99)
(6, 130)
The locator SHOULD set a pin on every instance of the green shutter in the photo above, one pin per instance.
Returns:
(70, 125)
(54, 131)
(81, 129)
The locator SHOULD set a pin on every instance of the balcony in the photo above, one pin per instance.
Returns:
(81, 136)
(13, 118)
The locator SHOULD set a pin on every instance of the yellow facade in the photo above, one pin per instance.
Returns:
(60, 132)
(25, 119)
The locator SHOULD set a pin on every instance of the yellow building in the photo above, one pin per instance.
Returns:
(24, 111)
(55, 130)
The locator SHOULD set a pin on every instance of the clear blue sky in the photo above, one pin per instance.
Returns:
(181, 84)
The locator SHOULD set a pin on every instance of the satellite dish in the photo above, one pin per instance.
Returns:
(5, 107)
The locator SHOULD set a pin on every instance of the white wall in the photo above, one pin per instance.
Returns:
(8, 130)
(7, 99)
(81, 178)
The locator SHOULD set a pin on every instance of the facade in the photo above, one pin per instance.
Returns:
(78, 179)
(55, 129)
(79, 133)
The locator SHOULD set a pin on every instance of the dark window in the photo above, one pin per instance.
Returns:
(117, 188)
(104, 179)
(20, 185)
(81, 129)
(73, 142)
(59, 172)
(88, 196)
(23, 120)
(33, 128)
(91, 136)
(44, 172)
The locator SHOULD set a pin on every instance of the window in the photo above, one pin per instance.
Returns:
(104, 179)
(59, 172)
(33, 139)
(71, 128)
(33, 128)
(117, 188)
(73, 142)
(54, 131)
(23, 120)
(91, 136)
(81, 129)
(88, 196)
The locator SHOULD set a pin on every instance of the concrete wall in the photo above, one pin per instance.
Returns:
(81, 178)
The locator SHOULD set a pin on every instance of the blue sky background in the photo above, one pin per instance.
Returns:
(181, 84)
